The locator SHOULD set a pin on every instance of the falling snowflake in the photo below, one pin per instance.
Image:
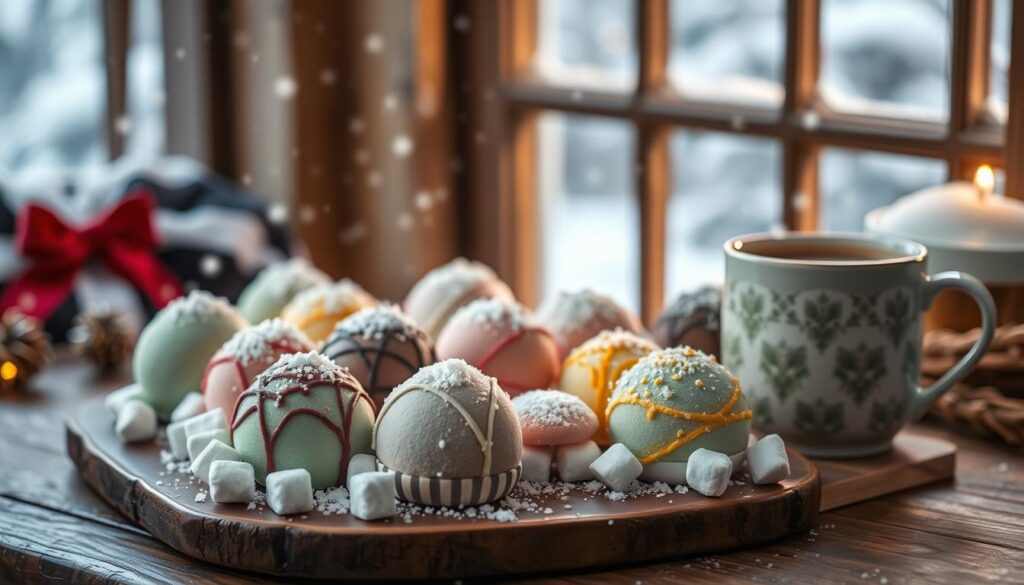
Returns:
(390, 101)
(210, 265)
(423, 201)
(801, 201)
(374, 179)
(362, 156)
(404, 221)
(179, 53)
(285, 87)
(277, 213)
(402, 146)
(374, 43)
(461, 23)
(307, 214)
(356, 126)
(353, 233)
(247, 179)
(328, 76)
(123, 124)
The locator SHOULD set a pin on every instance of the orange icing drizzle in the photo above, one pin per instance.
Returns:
(600, 380)
(712, 421)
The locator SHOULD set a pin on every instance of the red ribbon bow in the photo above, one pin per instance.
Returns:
(123, 239)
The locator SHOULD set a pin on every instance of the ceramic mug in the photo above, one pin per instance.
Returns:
(824, 333)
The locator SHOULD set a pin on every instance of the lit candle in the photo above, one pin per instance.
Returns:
(985, 181)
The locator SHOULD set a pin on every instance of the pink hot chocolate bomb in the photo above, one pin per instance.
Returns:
(246, 355)
(502, 340)
(553, 417)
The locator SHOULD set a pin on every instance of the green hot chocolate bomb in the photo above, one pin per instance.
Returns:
(313, 415)
(675, 401)
(175, 347)
(275, 286)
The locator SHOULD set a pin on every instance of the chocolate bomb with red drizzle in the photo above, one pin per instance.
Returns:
(303, 412)
(503, 340)
(694, 319)
(381, 347)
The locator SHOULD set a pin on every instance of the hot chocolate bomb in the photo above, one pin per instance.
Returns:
(445, 289)
(576, 317)
(381, 347)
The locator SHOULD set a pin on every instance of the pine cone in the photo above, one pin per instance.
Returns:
(104, 338)
(24, 350)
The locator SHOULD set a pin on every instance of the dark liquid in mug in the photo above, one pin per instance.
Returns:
(821, 251)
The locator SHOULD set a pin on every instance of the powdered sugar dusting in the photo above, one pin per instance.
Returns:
(377, 322)
(199, 306)
(254, 343)
(552, 408)
(616, 340)
(457, 277)
(707, 298)
(287, 278)
(495, 312)
(446, 375)
(331, 297)
(311, 365)
(573, 311)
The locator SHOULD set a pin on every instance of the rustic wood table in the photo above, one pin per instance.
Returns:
(53, 528)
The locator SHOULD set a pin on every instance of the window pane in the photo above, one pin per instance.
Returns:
(588, 44)
(52, 84)
(887, 57)
(729, 51)
(145, 124)
(998, 97)
(588, 210)
(724, 185)
(855, 182)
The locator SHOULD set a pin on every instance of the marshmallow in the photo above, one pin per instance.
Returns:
(232, 482)
(708, 472)
(617, 467)
(573, 461)
(116, 399)
(191, 405)
(214, 451)
(178, 440)
(290, 491)
(136, 421)
(769, 462)
(670, 472)
(197, 442)
(210, 420)
(360, 463)
(537, 464)
(372, 495)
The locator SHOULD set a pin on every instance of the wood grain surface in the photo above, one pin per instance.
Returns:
(970, 530)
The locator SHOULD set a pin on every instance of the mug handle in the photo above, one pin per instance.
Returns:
(922, 398)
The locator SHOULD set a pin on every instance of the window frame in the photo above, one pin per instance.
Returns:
(508, 95)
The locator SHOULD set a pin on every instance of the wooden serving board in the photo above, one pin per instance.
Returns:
(582, 530)
(915, 460)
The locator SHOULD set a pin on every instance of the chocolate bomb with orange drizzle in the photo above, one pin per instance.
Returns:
(381, 347)
(693, 319)
(303, 412)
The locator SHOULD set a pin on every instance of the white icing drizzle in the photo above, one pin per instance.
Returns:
(486, 442)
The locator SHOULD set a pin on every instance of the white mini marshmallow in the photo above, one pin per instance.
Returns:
(670, 472)
(232, 482)
(573, 461)
(617, 467)
(372, 495)
(214, 451)
(537, 464)
(136, 421)
(178, 440)
(197, 442)
(290, 491)
(116, 399)
(360, 463)
(210, 420)
(769, 462)
(708, 472)
(191, 405)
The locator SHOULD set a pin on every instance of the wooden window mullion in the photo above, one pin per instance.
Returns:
(799, 172)
(116, 38)
(968, 87)
(1015, 120)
